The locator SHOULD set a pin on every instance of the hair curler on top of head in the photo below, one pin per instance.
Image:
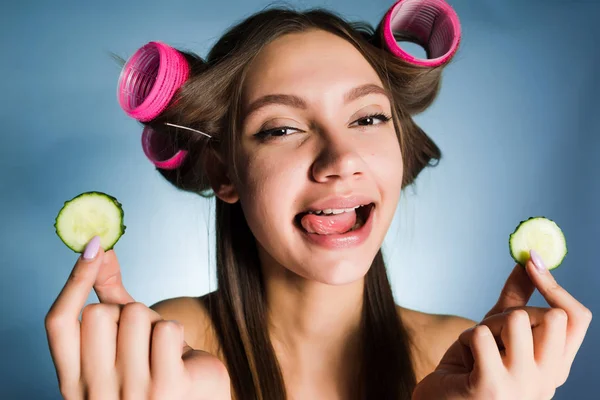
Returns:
(432, 24)
(149, 80)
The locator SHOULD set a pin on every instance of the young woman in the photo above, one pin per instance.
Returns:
(300, 124)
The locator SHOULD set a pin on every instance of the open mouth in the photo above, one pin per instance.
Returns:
(334, 221)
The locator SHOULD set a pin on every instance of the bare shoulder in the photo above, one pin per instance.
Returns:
(431, 335)
(193, 314)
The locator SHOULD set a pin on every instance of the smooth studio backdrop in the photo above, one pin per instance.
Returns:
(517, 122)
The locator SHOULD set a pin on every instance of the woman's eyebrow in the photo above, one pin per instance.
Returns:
(364, 90)
(298, 102)
(285, 99)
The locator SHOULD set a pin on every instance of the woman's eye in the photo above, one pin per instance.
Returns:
(374, 119)
(275, 132)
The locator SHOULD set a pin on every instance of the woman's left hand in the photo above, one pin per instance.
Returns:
(529, 352)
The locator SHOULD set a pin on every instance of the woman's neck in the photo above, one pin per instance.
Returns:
(314, 327)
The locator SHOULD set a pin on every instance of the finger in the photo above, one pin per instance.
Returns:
(578, 316)
(548, 329)
(133, 348)
(487, 362)
(109, 283)
(166, 364)
(497, 322)
(518, 341)
(74, 294)
(467, 357)
(536, 314)
(516, 291)
(99, 325)
(62, 320)
(549, 339)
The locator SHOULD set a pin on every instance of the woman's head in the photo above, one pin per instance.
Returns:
(317, 90)
(305, 109)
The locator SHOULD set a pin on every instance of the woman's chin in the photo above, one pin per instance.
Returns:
(335, 272)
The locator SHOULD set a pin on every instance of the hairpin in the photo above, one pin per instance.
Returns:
(189, 129)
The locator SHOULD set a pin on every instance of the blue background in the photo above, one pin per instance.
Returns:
(517, 121)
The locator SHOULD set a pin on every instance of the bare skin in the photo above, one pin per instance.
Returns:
(432, 335)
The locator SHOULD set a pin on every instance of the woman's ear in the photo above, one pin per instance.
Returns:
(219, 179)
(226, 191)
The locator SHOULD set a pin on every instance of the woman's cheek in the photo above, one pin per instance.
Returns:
(385, 161)
(270, 180)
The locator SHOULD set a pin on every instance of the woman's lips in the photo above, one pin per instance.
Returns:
(337, 233)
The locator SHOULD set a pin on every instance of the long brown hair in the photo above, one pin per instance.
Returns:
(210, 102)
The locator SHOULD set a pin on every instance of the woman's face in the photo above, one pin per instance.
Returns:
(317, 142)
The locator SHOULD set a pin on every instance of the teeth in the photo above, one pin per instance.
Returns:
(334, 211)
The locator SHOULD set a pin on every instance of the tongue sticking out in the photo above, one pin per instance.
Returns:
(329, 224)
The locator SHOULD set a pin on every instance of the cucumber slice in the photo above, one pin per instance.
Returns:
(542, 235)
(87, 215)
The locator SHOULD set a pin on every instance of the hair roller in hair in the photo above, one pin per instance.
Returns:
(160, 151)
(149, 80)
(432, 24)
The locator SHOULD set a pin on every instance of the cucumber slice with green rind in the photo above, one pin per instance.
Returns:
(87, 215)
(542, 235)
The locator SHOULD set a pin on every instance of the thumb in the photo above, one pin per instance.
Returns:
(109, 284)
(516, 291)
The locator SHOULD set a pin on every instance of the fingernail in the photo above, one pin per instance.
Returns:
(537, 260)
(91, 249)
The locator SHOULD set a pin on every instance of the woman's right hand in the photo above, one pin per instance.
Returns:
(122, 349)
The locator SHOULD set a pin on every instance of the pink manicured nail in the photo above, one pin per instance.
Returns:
(537, 260)
(91, 249)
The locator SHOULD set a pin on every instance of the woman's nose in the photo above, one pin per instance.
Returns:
(339, 158)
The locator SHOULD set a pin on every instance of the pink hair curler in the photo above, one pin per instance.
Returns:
(160, 152)
(432, 23)
(149, 80)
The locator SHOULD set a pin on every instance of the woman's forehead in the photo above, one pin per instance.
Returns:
(307, 61)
